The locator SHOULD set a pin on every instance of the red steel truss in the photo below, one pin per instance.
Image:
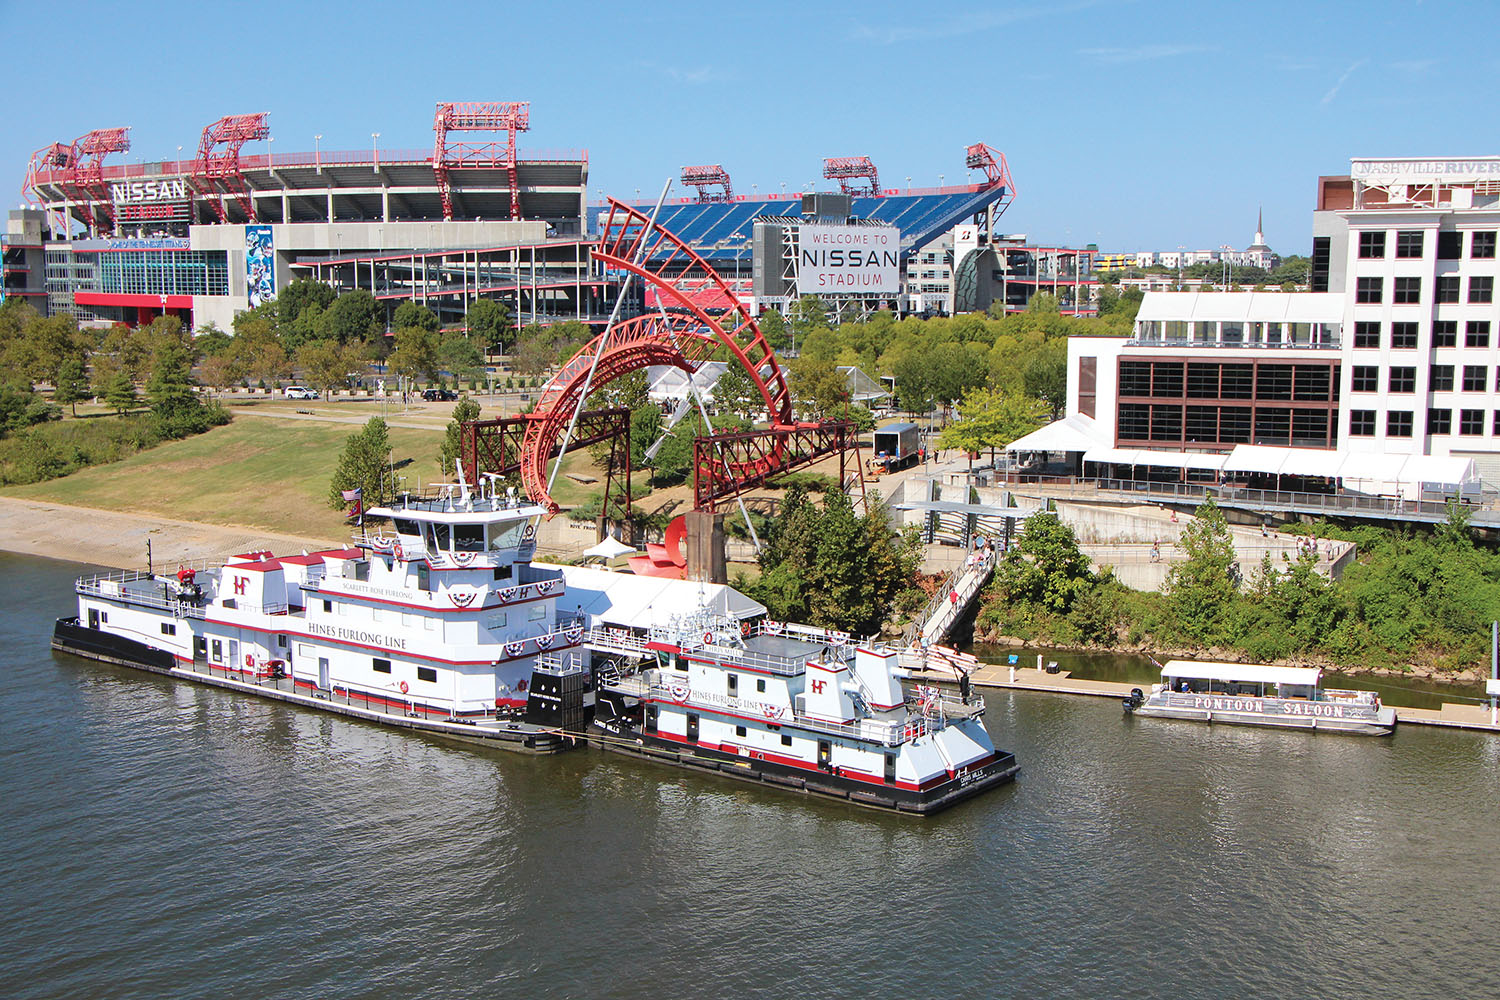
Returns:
(684, 338)
(707, 177)
(81, 164)
(996, 171)
(60, 156)
(216, 171)
(848, 169)
(509, 117)
(496, 446)
(725, 465)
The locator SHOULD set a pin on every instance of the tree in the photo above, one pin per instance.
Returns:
(489, 322)
(299, 295)
(773, 329)
(992, 419)
(736, 392)
(1045, 376)
(464, 410)
(412, 313)
(819, 387)
(415, 354)
(364, 464)
(460, 355)
(120, 393)
(808, 313)
(1203, 587)
(211, 341)
(1045, 568)
(72, 383)
(170, 388)
(354, 315)
(326, 366)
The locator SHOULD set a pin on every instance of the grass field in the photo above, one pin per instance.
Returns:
(259, 473)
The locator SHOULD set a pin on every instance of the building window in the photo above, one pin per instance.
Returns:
(1135, 378)
(1371, 246)
(1450, 246)
(1409, 244)
(1481, 289)
(1362, 423)
(1273, 427)
(1404, 335)
(1471, 422)
(1495, 427)
(1234, 425)
(1166, 423)
(1477, 333)
(1441, 379)
(428, 674)
(1445, 332)
(1367, 378)
(1407, 291)
(1135, 421)
(1447, 288)
(1369, 290)
(1236, 382)
(1440, 421)
(382, 666)
(1475, 377)
(1273, 382)
(1403, 379)
(1398, 424)
(1483, 246)
(1367, 334)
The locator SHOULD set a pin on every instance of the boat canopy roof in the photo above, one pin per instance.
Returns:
(1241, 673)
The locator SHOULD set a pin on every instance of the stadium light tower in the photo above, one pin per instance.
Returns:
(270, 151)
(318, 152)
(375, 150)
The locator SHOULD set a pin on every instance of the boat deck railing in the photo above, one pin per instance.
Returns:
(140, 590)
(889, 733)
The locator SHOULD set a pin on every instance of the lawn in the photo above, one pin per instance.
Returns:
(259, 473)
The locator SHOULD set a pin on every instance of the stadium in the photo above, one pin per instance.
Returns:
(475, 215)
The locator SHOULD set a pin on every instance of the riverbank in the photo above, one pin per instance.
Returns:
(118, 540)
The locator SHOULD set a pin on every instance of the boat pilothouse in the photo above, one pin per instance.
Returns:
(1250, 694)
(440, 622)
(797, 706)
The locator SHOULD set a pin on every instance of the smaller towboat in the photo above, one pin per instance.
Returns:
(1253, 695)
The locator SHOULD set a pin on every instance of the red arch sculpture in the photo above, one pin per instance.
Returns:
(684, 338)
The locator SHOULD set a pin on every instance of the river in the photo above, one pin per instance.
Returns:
(168, 840)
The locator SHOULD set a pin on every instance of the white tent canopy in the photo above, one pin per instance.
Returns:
(1245, 673)
(609, 548)
(1352, 467)
(1074, 432)
(667, 384)
(624, 600)
(1166, 459)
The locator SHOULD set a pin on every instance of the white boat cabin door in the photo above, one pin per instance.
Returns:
(322, 673)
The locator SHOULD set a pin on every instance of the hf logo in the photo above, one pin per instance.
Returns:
(240, 583)
(817, 686)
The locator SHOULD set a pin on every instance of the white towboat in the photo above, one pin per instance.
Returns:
(441, 624)
(1253, 695)
(795, 706)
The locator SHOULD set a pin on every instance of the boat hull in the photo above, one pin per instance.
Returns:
(69, 636)
(1383, 725)
(618, 737)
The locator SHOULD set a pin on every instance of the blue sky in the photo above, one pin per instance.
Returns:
(1133, 125)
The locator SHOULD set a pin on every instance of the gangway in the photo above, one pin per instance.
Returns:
(954, 597)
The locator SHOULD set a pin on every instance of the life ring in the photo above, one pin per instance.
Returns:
(249, 660)
(404, 688)
(745, 629)
(708, 638)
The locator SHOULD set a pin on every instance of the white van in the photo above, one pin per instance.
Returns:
(299, 392)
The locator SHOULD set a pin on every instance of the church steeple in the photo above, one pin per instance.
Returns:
(1260, 228)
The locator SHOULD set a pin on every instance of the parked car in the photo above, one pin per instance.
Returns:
(439, 395)
(299, 392)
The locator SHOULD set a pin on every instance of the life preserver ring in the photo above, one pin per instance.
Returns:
(708, 638)
(249, 660)
(745, 629)
(404, 688)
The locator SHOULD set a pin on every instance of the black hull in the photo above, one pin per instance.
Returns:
(68, 636)
(632, 742)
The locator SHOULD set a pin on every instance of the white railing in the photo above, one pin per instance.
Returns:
(872, 730)
(142, 596)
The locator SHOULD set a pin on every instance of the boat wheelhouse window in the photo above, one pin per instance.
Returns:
(495, 621)
(503, 572)
(760, 684)
(468, 537)
(168, 629)
(437, 537)
(405, 526)
(362, 570)
(538, 612)
(382, 666)
(739, 730)
(507, 535)
(734, 686)
(427, 674)
(786, 741)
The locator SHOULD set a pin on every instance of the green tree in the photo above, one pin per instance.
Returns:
(326, 366)
(211, 341)
(1203, 588)
(365, 464)
(415, 353)
(298, 295)
(992, 419)
(412, 313)
(819, 388)
(464, 411)
(1045, 568)
(170, 388)
(354, 315)
(72, 383)
(808, 313)
(1045, 376)
(460, 355)
(488, 320)
(735, 392)
(773, 328)
(120, 393)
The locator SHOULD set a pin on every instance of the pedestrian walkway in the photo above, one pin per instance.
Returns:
(956, 594)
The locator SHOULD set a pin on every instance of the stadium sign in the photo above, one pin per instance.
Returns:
(138, 192)
(1414, 171)
(848, 260)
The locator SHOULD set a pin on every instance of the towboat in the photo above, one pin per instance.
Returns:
(1253, 695)
(792, 706)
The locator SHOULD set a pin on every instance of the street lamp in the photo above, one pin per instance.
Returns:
(942, 178)
(783, 187)
(318, 152)
(908, 185)
(375, 150)
(271, 151)
(179, 154)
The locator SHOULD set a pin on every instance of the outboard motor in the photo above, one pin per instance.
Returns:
(1136, 699)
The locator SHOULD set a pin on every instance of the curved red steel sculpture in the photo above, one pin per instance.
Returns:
(684, 338)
